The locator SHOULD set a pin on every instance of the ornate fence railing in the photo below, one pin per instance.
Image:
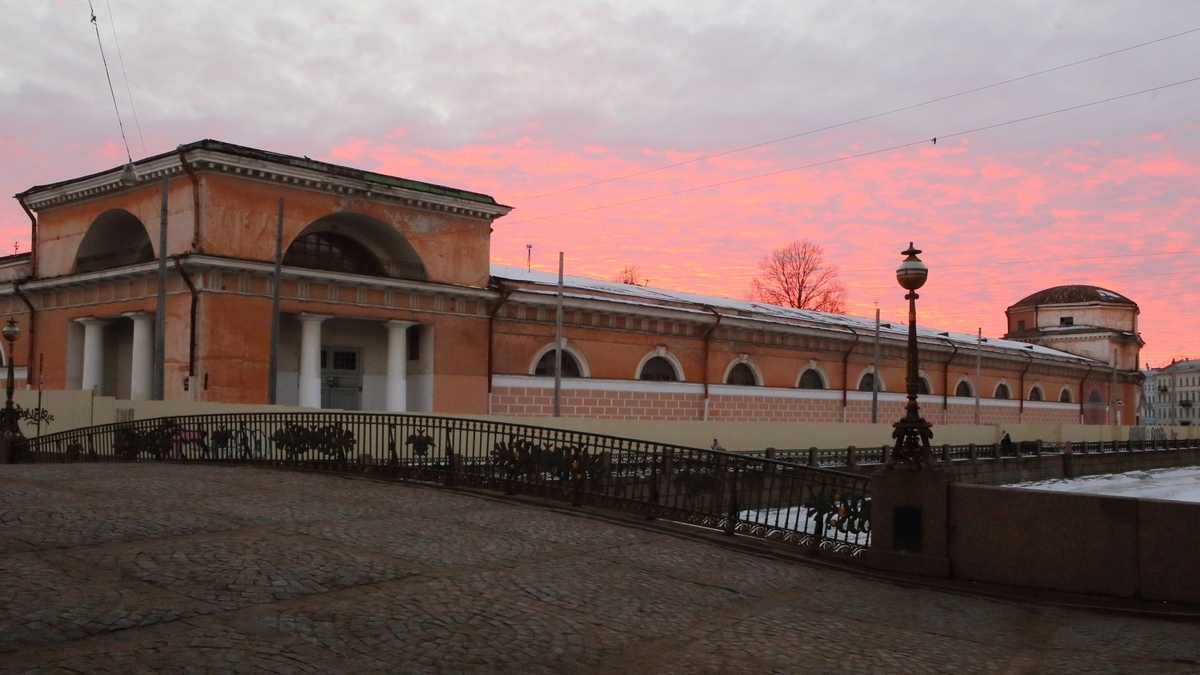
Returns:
(740, 494)
(852, 457)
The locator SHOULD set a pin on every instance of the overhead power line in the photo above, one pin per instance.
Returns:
(1122, 256)
(128, 91)
(856, 120)
(128, 155)
(859, 155)
(1031, 261)
(1031, 279)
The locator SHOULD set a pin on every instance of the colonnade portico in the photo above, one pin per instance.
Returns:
(395, 389)
(141, 359)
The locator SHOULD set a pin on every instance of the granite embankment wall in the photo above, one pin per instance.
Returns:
(1078, 543)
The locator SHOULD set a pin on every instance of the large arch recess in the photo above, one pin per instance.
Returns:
(357, 244)
(116, 238)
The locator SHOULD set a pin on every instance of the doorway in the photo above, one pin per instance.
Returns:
(341, 378)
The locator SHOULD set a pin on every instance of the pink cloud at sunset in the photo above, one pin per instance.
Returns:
(994, 228)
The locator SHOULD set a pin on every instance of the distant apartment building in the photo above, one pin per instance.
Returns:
(1171, 394)
(387, 301)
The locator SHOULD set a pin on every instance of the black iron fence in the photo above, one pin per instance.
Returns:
(741, 494)
(852, 457)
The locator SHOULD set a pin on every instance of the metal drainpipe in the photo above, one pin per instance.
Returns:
(195, 199)
(504, 293)
(1021, 393)
(708, 333)
(846, 374)
(33, 237)
(32, 329)
(192, 328)
(1081, 397)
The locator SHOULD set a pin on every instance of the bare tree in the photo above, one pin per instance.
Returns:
(631, 275)
(797, 275)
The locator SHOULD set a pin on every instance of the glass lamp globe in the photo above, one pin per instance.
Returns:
(912, 272)
(11, 332)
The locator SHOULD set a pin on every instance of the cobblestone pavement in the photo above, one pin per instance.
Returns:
(180, 569)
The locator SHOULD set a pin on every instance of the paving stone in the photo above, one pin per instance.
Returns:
(67, 525)
(443, 623)
(170, 568)
(44, 601)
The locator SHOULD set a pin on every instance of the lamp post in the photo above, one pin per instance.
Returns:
(912, 433)
(10, 428)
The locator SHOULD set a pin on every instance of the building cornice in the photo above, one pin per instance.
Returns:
(200, 262)
(295, 173)
(1100, 334)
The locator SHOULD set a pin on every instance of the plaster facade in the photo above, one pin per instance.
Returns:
(1171, 394)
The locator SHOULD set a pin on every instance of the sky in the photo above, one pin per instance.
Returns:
(689, 137)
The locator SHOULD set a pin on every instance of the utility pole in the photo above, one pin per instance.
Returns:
(875, 374)
(158, 380)
(558, 341)
(978, 371)
(273, 373)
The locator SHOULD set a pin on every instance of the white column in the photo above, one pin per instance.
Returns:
(397, 365)
(141, 376)
(310, 360)
(93, 352)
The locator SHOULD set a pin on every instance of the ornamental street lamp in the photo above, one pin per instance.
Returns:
(9, 426)
(912, 433)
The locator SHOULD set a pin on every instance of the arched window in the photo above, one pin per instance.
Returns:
(545, 365)
(964, 390)
(1035, 394)
(811, 379)
(658, 369)
(1065, 396)
(1002, 391)
(1095, 397)
(741, 375)
(867, 383)
(923, 388)
(333, 253)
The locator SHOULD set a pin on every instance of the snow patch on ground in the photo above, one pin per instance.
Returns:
(1179, 485)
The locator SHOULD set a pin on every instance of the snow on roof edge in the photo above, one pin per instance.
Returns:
(758, 311)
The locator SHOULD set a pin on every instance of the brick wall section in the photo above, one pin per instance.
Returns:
(598, 404)
(727, 408)
(671, 406)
